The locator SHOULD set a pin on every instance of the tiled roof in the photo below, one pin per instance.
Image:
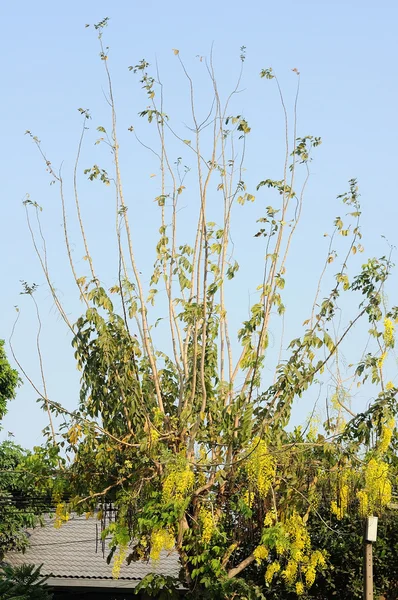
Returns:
(74, 552)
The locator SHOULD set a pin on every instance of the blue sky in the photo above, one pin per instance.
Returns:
(346, 53)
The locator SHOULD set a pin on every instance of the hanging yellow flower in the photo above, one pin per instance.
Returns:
(339, 507)
(118, 561)
(377, 490)
(61, 515)
(381, 359)
(299, 536)
(161, 539)
(290, 572)
(271, 570)
(260, 553)
(208, 524)
(363, 502)
(388, 334)
(270, 518)
(260, 466)
(177, 484)
(299, 588)
(386, 435)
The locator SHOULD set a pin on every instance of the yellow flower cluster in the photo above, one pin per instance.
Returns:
(61, 515)
(154, 435)
(389, 385)
(271, 570)
(363, 503)
(381, 359)
(260, 466)
(294, 550)
(208, 524)
(177, 484)
(339, 507)
(386, 435)
(260, 553)
(161, 539)
(290, 571)
(117, 563)
(377, 491)
(310, 565)
(377, 482)
(270, 518)
(299, 536)
(388, 334)
(299, 588)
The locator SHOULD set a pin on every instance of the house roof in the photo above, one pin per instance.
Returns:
(74, 556)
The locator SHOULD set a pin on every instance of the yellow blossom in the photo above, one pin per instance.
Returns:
(207, 521)
(299, 588)
(377, 481)
(310, 574)
(61, 515)
(388, 334)
(177, 484)
(318, 559)
(339, 507)
(271, 570)
(377, 490)
(381, 359)
(386, 435)
(290, 572)
(298, 533)
(260, 466)
(280, 547)
(270, 518)
(389, 385)
(260, 553)
(118, 561)
(363, 503)
(161, 539)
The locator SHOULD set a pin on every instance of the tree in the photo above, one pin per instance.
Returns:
(187, 434)
(23, 583)
(8, 381)
(24, 481)
(20, 504)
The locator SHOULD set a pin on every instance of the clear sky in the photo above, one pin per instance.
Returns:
(346, 52)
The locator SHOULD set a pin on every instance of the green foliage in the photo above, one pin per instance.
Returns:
(158, 586)
(344, 541)
(9, 381)
(20, 492)
(23, 583)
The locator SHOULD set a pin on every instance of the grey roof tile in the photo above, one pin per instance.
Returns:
(75, 551)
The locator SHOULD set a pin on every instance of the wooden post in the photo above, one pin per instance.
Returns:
(368, 571)
(369, 536)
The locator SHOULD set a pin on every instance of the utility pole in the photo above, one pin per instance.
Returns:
(370, 536)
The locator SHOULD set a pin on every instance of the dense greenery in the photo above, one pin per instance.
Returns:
(22, 501)
(8, 381)
(344, 541)
(23, 583)
(189, 434)
(343, 576)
